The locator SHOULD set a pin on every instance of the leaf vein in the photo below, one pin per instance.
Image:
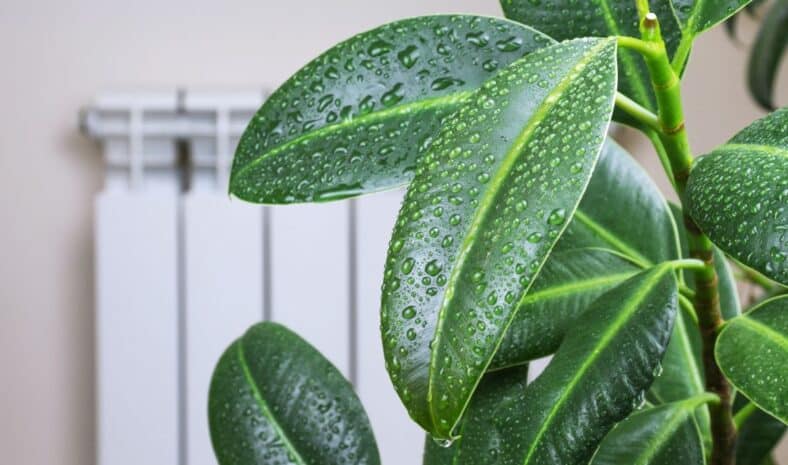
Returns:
(264, 405)
(436, 102)
(629, 308)
(485, 205)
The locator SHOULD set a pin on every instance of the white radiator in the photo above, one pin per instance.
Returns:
(182, 270)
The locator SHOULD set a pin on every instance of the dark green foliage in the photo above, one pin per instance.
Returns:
(489, 200)
(354, 120)
(738, 195)
(752, 350)
(275, 400)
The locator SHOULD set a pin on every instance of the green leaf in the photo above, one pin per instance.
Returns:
(751, 351)
(597, 377)
(767, 52)
(697, 16)
(439, 454)
(566, 286)
(620, 188)
(663, 435)
(757, 437)
(274, 400)
(569, 19)
(354, 119)
(596, 252)
(498, 392)
(489, 200)
(739, 192)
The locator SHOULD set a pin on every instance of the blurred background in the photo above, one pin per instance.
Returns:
(61, 57)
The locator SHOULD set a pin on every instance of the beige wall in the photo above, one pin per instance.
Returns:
(56, 56)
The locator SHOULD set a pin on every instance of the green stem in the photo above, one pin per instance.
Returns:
(686, 291)
(743, 414)
(682, 52)
(637, 45)
(656, 142)
(704, 398)
(673, 135)
(685, 304)
(687, 264)
(637, 112)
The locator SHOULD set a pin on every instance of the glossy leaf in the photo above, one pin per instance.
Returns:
(696, 16)
(738, 195)
(498, 392)
(767, 52)
(620, 189)
(566, 286)
(354, 119)
(597, 377)
(662, 435)
(752, 350)
(275, 400)
(489, 200)
(439, 454)
(569, 19)
(757, 437)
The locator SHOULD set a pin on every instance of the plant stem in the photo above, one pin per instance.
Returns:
(743, 414)
(682, 52)
(687, 264)
(636, 111)
(667, 89)
(654, 136)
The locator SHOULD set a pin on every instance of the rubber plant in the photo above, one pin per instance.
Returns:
(526, 232)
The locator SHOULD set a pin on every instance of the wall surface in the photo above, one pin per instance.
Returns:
(55, 56)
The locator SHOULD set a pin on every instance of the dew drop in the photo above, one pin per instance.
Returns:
(432, 268)
(409, 56)
(409, 312)
(557, 217)
(407, 265)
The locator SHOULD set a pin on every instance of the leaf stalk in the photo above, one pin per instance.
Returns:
(743, 414)
(638, 112)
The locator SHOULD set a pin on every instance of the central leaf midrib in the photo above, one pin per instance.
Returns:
(425, 104)
(629, 309)
(264, 405)
(687, 350)
(685, 410)
(766, 331)
(573, 287)
(758, 148)
(659, 440)
(613, 240)
(486, 203)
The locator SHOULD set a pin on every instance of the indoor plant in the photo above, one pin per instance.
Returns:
(525, 232)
